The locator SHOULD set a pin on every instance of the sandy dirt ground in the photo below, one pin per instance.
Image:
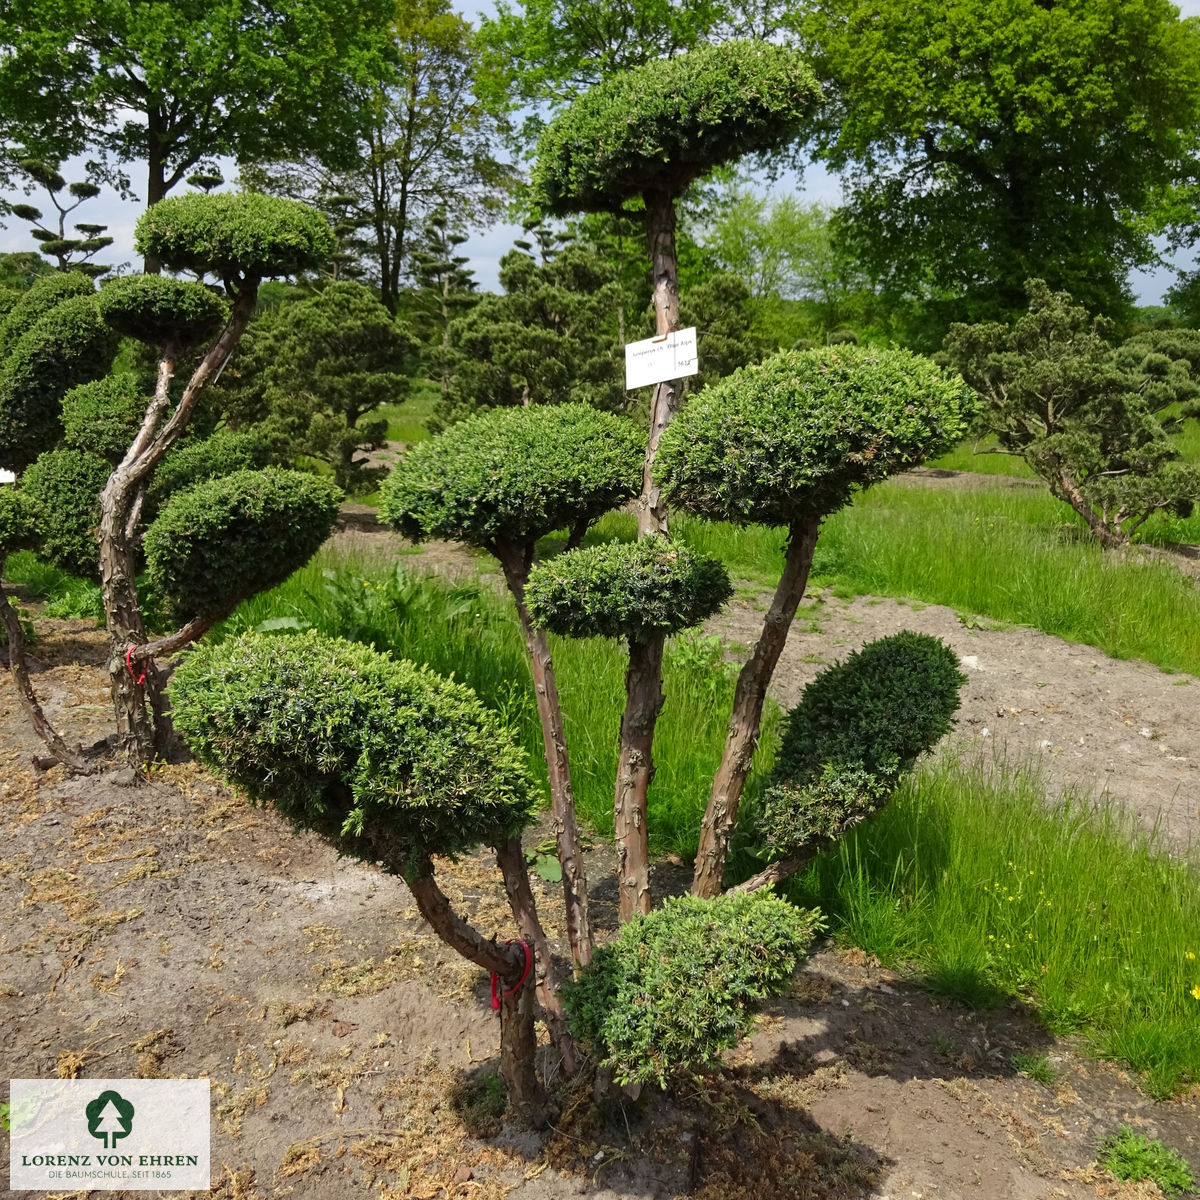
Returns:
(167, 929)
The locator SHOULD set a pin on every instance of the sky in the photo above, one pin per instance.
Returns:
(486, 247)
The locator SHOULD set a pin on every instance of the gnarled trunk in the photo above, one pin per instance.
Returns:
(635, 770)
(518, 1040)
(511, 858)
(742, 738)
(515, 559)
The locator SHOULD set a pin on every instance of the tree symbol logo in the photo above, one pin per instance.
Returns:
(109, 1117)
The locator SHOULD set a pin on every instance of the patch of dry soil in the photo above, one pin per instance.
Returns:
(1090, 722)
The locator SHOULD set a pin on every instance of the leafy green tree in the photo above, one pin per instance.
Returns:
(320, 366)
(172, 85)
(423, 144)
(988, 143)
(788, 442)
(446, 288)
(1091, 420)
(550, 338)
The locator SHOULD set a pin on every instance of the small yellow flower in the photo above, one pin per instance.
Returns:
(1196, 992)
(1189, 955)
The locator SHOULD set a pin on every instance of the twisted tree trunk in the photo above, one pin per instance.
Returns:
(518, 1040)
(742, 738)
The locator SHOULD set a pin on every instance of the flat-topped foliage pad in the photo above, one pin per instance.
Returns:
(103, 416)
(236, 535)
(515, 474)
(161, 311)
(234, 235)
(387, 759)
(635, 590)
(657, 127)
(792, 437)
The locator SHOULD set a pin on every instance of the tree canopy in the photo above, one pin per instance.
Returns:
(171, 84)
(985, 143)
(658, 127)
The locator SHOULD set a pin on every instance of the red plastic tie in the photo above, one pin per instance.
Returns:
(497, 994)
(140, 679)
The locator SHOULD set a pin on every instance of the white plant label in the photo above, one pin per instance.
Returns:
(658, 359)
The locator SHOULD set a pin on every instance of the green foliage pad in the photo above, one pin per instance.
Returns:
(386, 759)
(236, 535)
(678, 987)
(171, 314)
(657, 127)
(634, 590)
(792, 437)
(515, 474)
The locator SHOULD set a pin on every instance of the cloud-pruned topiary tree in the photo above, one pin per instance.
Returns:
(241, 239)
(788, 442)
(399, 768)
(1092, 420)
(501, 480)
(858, 729)
(641, 592)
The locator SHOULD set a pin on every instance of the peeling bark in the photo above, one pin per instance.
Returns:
(515, 559)
(741, 740)
(635, 770)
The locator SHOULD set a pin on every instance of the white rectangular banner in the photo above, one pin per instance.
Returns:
(105, 1135)
(658, 359)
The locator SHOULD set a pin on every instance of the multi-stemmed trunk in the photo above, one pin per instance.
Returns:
(518, 1039)
(745, 720)
(136, 687)
(515, 560)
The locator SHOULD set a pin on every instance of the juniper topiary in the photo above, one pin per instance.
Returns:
(788, 442)
(172, 315)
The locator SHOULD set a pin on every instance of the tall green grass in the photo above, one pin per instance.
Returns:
(1008, 555)
(985, 892)
(470, 630)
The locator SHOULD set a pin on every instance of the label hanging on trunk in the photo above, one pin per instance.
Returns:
(658, 359)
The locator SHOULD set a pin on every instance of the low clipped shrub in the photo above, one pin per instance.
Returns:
(104, 416)
(63, 488)
(402, 765)
(68, 346)
(793, 436)
(43, 294)
(634, 590)
(220, 541)
(858, 727)
(677, 987)
(234, 235)
(515, 474)
(226, 451)
(657, 127)
(172, 314)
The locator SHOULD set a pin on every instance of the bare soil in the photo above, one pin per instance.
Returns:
(168, 929)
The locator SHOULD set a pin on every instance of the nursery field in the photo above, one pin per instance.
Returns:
(1006, 981)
